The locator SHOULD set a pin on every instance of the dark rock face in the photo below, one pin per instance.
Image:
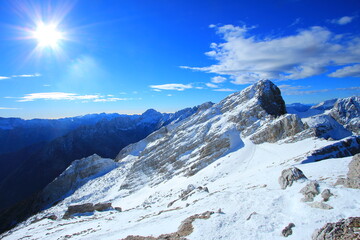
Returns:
(345, 229)
(288, 176)
(86, 208)
(78, 209)
(270, 98)
(345, 148)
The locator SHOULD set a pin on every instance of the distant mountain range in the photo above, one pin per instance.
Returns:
(45, 148)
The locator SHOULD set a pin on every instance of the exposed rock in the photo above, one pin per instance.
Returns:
(288, 176)
(326, 194)
(86, 208)
(320, 205)
(353, 176)
(345, 229)
(185, 229)
(345, 148)
(287, 231)
(310, 191)
(78, 209)
(276, 129)
(119, 209)
(102, 207)
(270, 98)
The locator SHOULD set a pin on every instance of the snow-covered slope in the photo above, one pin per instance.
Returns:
(226, 158)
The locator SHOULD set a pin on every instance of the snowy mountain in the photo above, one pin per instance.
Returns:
(29, 170)
(240, 169)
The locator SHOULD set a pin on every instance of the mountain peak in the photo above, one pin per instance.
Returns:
(270, 97)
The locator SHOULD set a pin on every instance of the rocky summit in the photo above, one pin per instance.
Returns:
(243, 168)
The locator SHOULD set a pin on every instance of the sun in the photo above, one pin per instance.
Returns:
(47, 35)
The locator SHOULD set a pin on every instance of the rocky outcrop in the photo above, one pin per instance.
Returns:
(310, 191)
(346, 111)
(288, 176)
(276, 129)
(76, 175)
(345, 148)
(345, 229)
(353, 176)
(86, 208)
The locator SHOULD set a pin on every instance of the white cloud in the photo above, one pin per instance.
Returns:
(218, 79)
(211, 85)
(171, 86)
(299, 90)
(21, 76)
(349, 71)
(56, 96)
(169, 95)
(343, 20)
(309, 52)
(225, 90)
(6, 108)
(113, 99)
(26, 75)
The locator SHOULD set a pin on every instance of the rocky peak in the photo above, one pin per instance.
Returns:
(264, 94)
(270, 98)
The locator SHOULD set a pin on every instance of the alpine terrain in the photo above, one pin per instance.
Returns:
(243, 168)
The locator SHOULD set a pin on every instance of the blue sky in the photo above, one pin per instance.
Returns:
(128, 56)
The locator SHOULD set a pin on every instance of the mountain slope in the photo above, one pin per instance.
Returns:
(32, 168)
(225, 159)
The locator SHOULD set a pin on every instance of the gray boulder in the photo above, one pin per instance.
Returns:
(326, 194)
(310, 191)
(288, 176)
(287, 231)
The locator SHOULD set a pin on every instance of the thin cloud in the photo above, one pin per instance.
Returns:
(224, 90)
(350, 71)
(211, 85)
(3, 77)
(111, 99)
(343, 20)
(247, 58)
(7, 108)
(171, 86)
(56, 96)
(26, 75)
(301, 90)
(218, 79)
